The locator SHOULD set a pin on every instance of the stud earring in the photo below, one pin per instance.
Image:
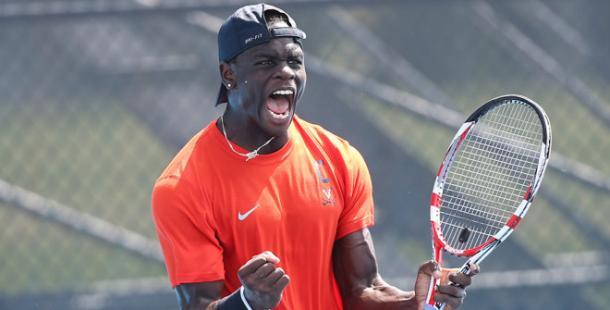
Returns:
(228, 85)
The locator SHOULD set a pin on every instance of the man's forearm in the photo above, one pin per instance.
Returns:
(232, 302)
(380, 295)
(206, 296)
(358, 278)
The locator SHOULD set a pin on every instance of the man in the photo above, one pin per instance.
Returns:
(263, 210)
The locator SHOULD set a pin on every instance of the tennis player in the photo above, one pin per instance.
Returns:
(262, 209)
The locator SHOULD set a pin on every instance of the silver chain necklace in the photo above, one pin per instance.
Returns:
(249, 155)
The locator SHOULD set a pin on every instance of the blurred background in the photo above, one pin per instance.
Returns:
(97, 96)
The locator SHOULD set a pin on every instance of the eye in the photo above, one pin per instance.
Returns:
(264, 62)
(295, 62)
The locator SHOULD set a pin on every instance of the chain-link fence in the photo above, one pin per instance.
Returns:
(97, 96)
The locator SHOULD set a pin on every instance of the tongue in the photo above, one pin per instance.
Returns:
(278, 105)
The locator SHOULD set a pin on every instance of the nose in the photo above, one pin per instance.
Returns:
(285, 72)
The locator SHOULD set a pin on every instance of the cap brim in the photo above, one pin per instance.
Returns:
(222, 95)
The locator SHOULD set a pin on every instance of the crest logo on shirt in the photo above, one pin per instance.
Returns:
(325, 186)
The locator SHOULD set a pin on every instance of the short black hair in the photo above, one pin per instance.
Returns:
(273, 16)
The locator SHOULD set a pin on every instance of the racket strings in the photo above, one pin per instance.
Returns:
(500, 222)
(490, 173)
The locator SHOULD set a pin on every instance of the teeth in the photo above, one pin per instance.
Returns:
(283, 92)
(279, 116)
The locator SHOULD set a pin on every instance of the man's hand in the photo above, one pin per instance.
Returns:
(263, 281)
(451, 295)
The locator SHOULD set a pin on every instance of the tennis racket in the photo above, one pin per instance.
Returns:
(491, 172)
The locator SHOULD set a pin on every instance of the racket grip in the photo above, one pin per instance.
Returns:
(465, 270)
(440, 306)
(430, 304)
(437, 306)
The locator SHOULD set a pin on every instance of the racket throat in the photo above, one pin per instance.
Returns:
(437, 252)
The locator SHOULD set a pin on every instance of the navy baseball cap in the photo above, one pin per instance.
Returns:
(246, 28)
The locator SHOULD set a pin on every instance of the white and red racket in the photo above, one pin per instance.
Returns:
(491, 172)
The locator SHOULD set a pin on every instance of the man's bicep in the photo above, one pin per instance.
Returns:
(354, 262)
(358, 209)
(198, 295)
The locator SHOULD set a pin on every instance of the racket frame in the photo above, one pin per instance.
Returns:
(480, 252)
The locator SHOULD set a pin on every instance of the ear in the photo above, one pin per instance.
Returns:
(227, 75)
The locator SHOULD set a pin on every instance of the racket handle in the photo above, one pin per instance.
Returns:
(430, 305)
(437, 306)
(440, 306)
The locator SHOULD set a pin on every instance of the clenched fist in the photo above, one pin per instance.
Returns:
(263, 281)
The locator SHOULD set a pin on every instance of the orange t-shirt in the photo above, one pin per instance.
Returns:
(214, 211)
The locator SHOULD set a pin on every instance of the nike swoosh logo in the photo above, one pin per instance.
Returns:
(242, 217)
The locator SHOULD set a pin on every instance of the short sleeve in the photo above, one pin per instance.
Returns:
(358, 211)
(187, 232)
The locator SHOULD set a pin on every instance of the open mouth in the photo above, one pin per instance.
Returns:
(278, 104)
